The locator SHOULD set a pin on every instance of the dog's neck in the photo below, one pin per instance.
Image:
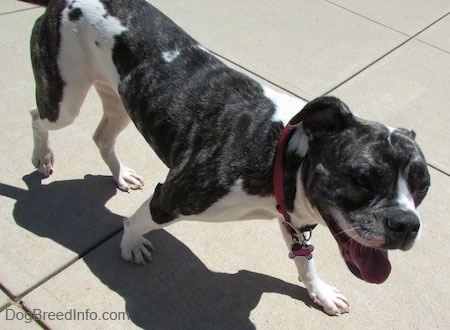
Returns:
(304, 213)
(297, 203)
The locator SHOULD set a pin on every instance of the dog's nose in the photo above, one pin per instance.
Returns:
(402, 229)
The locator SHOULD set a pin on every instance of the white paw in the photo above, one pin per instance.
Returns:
(137, 251)
(43, 161)
(332, 301)
(128, 179)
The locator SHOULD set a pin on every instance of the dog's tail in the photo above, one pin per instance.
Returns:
(37, 2)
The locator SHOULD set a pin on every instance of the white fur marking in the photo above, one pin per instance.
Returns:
(391, 130)
(299, 142)
(170, 55)
(406, 201)
(203, 48)
(238, 205)
(286, 106)
(304, 213)
(87, 43)
(404, 197)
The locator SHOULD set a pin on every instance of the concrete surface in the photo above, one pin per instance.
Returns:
(3, 300)
(436, 34)
(14, 317)
(59, 236)
(410, 88)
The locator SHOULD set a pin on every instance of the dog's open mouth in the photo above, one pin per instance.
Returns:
(369, 264)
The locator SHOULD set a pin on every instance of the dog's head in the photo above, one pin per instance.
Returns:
(365, 179)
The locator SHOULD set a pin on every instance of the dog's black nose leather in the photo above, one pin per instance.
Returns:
(402, 227)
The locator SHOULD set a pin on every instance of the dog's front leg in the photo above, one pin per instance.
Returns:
(135, 247)
(327, 296)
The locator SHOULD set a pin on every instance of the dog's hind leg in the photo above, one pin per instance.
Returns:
(42, 122)
(43, 156)
(114, 120)
(60, 90)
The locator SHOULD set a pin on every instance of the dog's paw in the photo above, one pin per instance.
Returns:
(128, 179)
(138, 251)
(44, 161)
(332, 301)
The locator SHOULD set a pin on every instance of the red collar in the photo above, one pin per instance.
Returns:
(299, 246)
(278, 173)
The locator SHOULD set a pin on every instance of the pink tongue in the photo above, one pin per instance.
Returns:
(373, 264)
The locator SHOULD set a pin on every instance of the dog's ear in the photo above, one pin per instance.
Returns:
(324, 115)
(409, 133)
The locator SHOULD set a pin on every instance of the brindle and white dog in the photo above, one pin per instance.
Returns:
(217, 131)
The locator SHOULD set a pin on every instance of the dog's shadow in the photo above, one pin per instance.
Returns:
(176, 291)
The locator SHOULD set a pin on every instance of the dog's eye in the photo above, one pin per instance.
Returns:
(423, 188)
(420, 191)
(362, 181)
(419, 178)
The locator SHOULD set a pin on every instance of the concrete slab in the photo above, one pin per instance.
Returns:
(406, 16)
(237, 275)
(15, 317)
(437, 34)
(409, 88)
(15, 56)
(307, 47)
(13, 6)
(4, 301)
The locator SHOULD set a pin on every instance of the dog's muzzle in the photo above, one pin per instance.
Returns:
(402, 228)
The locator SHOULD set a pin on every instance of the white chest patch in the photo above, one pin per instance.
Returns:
(238, 205)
